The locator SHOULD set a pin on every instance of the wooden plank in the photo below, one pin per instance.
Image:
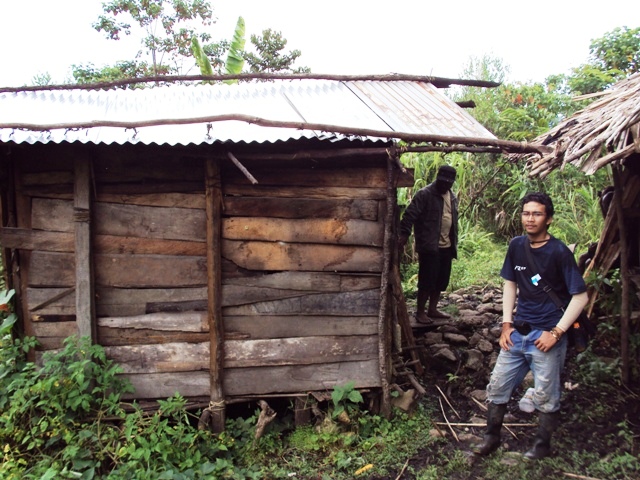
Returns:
(165, 385)
(299, 351)
(364, 303)
(84, 279)
(129, 336)
(57, 270)
(273, 326)
(257, 381)
(181, 322)
(281, 207)
(113, 301)
(352, 177)
(123, 220)
(26, 239)
(300, 378)
(171, 199)
(48, 178)
(161, 358)
(64, 242)
(59, 330)
(307, 281)
(331, 231)
(298, 192)
(308, 257)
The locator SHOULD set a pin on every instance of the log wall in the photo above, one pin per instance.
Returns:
(301, 264)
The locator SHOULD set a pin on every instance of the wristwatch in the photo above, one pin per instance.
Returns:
(557, 333)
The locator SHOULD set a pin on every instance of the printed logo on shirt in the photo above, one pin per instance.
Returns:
(518, 268)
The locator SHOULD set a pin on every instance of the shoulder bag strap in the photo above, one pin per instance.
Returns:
(542, 281)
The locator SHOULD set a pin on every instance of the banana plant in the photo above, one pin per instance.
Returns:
(235, 59)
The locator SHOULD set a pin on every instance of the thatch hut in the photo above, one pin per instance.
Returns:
(227, 242)
(607, 133)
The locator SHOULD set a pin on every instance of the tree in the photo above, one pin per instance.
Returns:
(167, 24)
(120, 71)
(270, 56)
(611, 58)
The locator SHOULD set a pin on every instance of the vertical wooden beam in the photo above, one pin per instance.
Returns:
(384, 323)
(624, 273)
(85, 317)
(213, 196)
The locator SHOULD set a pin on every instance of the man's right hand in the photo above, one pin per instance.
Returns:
(505, 336)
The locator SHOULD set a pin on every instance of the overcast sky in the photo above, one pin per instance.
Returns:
(535, 38)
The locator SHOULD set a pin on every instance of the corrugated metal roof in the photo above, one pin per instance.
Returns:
(399, 106)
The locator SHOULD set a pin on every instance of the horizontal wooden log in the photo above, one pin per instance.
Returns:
(64, 242)
(302, 257)
(181, 322)
(57, 270)
(257, 381)
(273, 326)
(178, 200)
(299, 351)
(325, 231)
(329, 192)
(161, 358)
(306, 281)
(129, 336)
(352, 177)
(282, 207)
(363, 303)
(122, 220)
(305, 378)
(59, 330)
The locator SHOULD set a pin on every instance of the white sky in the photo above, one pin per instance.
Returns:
(423, 37)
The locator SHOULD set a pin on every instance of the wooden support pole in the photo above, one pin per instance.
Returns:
(624, 274)
(384, 327)
(85, 311)
(213, 196)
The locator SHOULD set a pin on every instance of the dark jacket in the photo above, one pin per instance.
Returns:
(424, 215)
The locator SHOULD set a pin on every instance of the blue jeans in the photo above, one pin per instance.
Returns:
(513, 365)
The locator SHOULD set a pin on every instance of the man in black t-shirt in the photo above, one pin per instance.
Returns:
(534, 339)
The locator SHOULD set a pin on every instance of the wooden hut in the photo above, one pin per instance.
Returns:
(226, 242)
(607, 133)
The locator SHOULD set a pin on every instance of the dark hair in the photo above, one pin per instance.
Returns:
(539, 197)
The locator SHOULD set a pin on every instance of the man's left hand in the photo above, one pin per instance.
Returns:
(545, 342)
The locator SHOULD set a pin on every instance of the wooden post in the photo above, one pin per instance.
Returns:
(213, 196)
(624, 273)
(384, 327)
(85, 317)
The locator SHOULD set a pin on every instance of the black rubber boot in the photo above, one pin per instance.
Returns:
(542, 442)
(491, 442)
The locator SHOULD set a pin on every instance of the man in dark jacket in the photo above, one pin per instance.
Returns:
(433, 215)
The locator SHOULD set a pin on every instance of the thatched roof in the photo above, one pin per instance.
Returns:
(605, 131)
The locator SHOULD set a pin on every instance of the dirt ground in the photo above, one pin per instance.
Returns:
(590, 417)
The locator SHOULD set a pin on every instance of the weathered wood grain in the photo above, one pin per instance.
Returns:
(305, 378)
(123, 220)
(329, 192)
(347, 176)
(56, 270)
(363, 303)
(282, 207)
(257, 381)
(331, 231)
(287, 256)
(273, 326)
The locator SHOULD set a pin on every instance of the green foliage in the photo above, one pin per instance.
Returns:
(270, 55)
(119, 71)
(618, 49)
(345, 398)
(169, 25)
(235, 60)
(201, 58)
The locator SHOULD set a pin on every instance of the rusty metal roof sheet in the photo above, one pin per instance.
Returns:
(399, 106)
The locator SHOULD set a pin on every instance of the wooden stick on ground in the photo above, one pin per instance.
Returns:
(447, 420)
(448, 403)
